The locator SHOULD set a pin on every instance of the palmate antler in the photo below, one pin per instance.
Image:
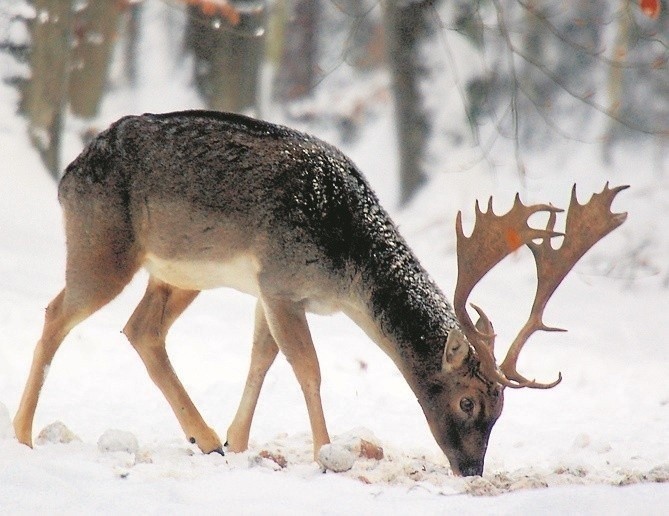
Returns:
(496, 236)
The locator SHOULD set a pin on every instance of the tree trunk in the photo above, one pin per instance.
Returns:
(131, 50)
(615, 81)
(228, 59)
(45, 94)
(407, 25)
(297, 73)
(235, 70)
(95, 28)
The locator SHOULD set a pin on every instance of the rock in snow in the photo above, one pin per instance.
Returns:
(118, 441)
(336, 457)
(56, 433)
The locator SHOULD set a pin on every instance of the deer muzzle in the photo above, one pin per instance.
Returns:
(468, 468)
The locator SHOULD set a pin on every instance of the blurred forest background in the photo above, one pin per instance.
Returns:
(458, 73)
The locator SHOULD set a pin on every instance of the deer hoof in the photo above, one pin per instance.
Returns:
(207, 443)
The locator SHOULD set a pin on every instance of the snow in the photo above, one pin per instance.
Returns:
(596, 444)
(113, 440)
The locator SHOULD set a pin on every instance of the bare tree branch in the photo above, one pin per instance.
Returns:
(597, 54)
(514, 91)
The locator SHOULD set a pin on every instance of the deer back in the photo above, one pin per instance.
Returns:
(208, 188)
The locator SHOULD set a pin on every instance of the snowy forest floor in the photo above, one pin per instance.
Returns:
(595, 444)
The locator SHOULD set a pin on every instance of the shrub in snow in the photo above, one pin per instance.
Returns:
(118, 441)
(56, 433)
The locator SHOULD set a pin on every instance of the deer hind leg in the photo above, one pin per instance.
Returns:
(262, 357)
(288, 325)
(146, 329)
(88, 288)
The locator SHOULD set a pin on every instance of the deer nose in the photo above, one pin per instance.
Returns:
(471, 469)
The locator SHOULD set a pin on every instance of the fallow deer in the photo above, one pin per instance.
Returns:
(203, 200)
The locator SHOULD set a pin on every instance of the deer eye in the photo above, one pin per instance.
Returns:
(467, 405)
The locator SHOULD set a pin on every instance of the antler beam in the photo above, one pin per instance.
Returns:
(586, 225)
(496, 236)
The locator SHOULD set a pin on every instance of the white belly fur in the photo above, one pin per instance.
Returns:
(240, 273)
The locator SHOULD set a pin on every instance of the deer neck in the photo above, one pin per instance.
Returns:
(404, 312)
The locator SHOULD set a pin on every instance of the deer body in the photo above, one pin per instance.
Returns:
(204, 200)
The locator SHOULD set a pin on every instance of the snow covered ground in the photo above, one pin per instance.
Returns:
(596, 444)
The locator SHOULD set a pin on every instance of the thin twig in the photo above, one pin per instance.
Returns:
(514, 91)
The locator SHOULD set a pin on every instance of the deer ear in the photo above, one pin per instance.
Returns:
(456, 352)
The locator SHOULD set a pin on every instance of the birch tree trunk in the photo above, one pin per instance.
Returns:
(615, 81)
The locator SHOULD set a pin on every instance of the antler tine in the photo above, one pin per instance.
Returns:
(534, 322)
(486, 353)
(586, 225)
(493, 238)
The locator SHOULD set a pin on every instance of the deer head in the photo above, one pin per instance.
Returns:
(468, 395)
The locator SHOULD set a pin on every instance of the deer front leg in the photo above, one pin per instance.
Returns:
(262, 357)
(288, 325)
(146, 331)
